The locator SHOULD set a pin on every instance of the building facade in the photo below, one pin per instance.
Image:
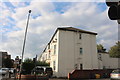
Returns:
(107, 62)
(71, 48)
(3, 55)
(0, 59)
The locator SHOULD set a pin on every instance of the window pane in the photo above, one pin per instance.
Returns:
(81, 50)
(54, 49)
(54, 67)
(81, 66)
(80, 36)
(49, 54)
(46, 56)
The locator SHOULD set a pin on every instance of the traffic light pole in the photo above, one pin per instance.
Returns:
(35, 67)
(118, 40)
(114, 14)
(24, 45)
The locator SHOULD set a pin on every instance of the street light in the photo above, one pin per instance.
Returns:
(24, 43)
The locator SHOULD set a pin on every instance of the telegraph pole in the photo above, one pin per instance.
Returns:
(24, 44)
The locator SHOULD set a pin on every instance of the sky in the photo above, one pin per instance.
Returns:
(46, 17)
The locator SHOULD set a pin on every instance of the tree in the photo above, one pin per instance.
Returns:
(115, 50)
(27, 66)
(100, 48)
(7, 62)
(42, 63)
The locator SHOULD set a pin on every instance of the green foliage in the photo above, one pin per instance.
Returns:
(115, 50)
(7, 63)
(40, 63)
(28, 65)
(100, 48)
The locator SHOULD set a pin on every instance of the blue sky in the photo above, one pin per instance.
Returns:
(45, 18)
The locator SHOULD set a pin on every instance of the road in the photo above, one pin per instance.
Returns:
(80, 79)
(6, 78)
(60, 79)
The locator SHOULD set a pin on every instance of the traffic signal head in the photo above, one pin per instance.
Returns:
(114, 10)
(34, 59)
(112, 2)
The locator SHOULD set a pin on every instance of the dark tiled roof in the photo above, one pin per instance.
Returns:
(76, 30)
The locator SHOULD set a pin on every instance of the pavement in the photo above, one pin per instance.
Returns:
(56, 79)
(6, 78)
(80, 79)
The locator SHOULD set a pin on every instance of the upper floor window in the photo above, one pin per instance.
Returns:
(54, 49)
(80, 36)
(43, 59)
(100, 57)
(49, 55)
(49, 46)
(46, 56)
(81, 50)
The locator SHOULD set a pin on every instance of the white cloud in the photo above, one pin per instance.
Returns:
(54, 0)
(82, 15)
(18, 4)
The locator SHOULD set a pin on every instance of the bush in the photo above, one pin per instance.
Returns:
(27, 66)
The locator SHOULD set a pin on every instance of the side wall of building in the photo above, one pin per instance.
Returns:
(90, 51)
(0, 59)
(69, 54)
(66, 53)
(107, 62)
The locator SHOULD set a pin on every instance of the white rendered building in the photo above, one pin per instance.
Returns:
(0, 59)
(71, 48)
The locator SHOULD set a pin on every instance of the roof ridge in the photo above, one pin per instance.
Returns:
(76, 30)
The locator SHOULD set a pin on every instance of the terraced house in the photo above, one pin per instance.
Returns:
(71, 48)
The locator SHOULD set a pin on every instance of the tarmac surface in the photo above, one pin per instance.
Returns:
(4, 78)
(56, 79)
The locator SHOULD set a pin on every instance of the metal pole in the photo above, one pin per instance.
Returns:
(35, 67)
(24, 43)
(118, 37)
(119, 40)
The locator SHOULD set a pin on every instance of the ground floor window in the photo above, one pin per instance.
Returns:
(76, 66)
(81, 66)
(54, 65)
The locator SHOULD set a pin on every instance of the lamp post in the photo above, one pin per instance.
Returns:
(24, 43)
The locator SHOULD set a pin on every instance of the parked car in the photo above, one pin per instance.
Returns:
(115, 75)
(43, 70)
(49, 71)
(4, 71)
(38, 70)
(11, 70)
